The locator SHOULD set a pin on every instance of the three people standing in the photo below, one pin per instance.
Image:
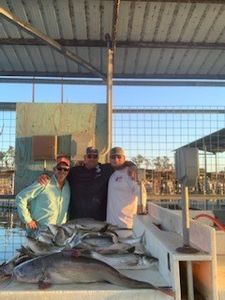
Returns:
(100, 191)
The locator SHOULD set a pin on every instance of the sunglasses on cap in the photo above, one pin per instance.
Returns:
(92, 156)
(114, 156)
(65, 169)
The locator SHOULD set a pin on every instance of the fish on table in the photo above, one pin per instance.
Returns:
(90, 224)
(126, 261)
(56, 238)
(67, 268)
(73, 232)
(36, 248)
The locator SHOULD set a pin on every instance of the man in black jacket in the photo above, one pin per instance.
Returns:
(89, 185)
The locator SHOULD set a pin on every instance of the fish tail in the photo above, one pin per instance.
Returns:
(167, 290)
(117, 278)
(124, 281)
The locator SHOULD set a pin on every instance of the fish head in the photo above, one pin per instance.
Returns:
(30, 271)
(5, 270)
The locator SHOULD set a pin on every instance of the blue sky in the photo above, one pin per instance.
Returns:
(122, 96)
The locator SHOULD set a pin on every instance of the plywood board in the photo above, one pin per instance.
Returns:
(44, 147)
(77, 126)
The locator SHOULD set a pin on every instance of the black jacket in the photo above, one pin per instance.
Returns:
(89, 191)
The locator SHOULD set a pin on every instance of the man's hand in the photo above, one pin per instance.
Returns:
(43, 179)
(132, 172)
(32, 225)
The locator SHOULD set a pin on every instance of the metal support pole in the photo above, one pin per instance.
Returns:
(190, 286)
(109, 94)
(185, 213)
(142, 208)
(33, 91)
(216, 171)
(62, 91)
(186, 241)
(205, 175)
(186, 223)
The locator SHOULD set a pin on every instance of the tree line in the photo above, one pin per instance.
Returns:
(159, 163)
(7, 158)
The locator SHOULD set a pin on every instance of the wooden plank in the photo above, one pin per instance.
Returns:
(77, 126)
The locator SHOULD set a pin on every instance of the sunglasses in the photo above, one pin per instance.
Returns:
(92, 156)
(116, 156)
(63, 169)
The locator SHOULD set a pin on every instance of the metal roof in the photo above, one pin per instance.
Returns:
(151, 39)
(214, 142)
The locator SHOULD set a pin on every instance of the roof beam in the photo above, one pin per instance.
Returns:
(119, 44)
(49, 41)
(180, 1)
(122, 77)
(116, 82)
(168, 111)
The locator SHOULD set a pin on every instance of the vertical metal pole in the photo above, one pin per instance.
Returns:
(33, 90)
(190, 286)
(186, 241)
(143, 198)
(185, 213)
(109, 92)
(205, 179)
(216, 171)
(13, 183)
(62, 91)
(141, 177)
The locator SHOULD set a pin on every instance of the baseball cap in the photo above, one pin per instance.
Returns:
(129, 163)
(117, 150)
(91, 150)
(62, 159)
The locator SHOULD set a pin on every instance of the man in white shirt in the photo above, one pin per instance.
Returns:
(123, 191)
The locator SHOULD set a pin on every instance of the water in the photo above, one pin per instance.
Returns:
(11, 240)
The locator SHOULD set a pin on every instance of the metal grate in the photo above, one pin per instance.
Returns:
(7, 147)
(11, 234)
(150, 136)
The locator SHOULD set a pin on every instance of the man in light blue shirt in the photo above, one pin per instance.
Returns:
(40, 205)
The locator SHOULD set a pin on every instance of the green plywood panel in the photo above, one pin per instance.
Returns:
(77, 126)
(64, 145)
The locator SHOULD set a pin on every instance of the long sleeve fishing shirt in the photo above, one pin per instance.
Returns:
(123, 198)
(45, 204)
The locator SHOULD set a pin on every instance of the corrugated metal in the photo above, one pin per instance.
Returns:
(155, 39)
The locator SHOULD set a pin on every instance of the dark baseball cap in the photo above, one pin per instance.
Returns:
(91, 150)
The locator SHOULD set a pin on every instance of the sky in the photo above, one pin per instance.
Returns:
(122, 96)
